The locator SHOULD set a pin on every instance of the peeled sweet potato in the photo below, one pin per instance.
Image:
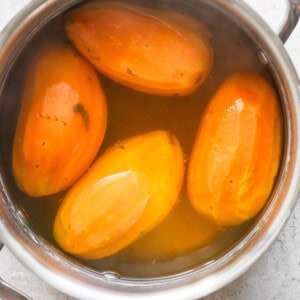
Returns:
(127, 191)
(62, 121)
(181, 232)
(153, 51)
(237, 151)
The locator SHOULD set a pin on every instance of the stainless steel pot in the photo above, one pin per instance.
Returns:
(79, 281)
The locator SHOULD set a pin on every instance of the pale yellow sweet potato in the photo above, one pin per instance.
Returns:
(129, 190)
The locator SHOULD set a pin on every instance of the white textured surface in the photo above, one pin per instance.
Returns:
(275, 276)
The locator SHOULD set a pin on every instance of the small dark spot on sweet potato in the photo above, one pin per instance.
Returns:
(199, 79)
(80, 109)
(91, 54)
(51, 118)
(171, 138)
(130, 72)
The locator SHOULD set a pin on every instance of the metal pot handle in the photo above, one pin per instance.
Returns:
(291, 20)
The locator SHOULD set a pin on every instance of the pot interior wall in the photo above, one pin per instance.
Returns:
(234, 51)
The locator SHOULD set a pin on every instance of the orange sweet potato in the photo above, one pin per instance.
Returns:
(181, 232)
(158, 52)
(127, 191)
(61, 123)
(237, 151)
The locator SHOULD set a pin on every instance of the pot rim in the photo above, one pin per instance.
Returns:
(87, 284)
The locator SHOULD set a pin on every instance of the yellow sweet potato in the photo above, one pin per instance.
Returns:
(181, 232)
(237, 151)
(127, 191)
(158, 52)
(61, 123)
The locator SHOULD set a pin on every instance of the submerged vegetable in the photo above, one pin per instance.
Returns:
(237, 151)
(158, 52)
(61, 123)
(180, 233)
(128, 190)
